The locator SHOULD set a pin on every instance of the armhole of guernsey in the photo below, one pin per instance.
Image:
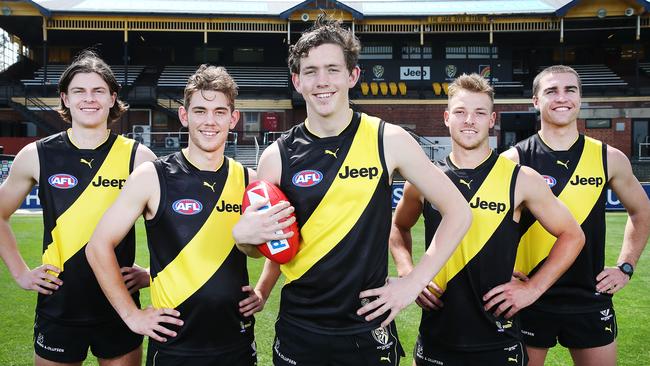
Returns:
(134, 151)
(162, 199)
(210, 246)
(326, 226)
(536, 243)
(75, 226)
(493, 204)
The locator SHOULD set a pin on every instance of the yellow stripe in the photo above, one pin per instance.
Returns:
(75, 226)
(536, 243)
(343, 204)
(495, 188)
(205, 253)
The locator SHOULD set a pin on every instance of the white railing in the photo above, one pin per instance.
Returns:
(271, 136)
(436, 151)
(644, 151)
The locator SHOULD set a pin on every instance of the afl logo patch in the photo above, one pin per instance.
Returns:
(187, 206)
(307, 178)
(62, 181)
(549, 180)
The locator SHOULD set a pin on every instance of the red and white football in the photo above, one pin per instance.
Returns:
(279, 251)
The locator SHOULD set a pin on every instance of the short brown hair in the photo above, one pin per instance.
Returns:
(474, 83)
(86, 62)
(325, 30)
(555, 69)
(211, 78)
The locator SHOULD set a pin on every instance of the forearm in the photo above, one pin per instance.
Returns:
(564, 252)
(635, 238)
(450, 232)
(9, 251)
(400, 244)
(104, 264)
(268, 278)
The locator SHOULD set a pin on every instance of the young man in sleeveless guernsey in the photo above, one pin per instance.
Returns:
(577, 310)
(477, 324)
(335, 169)
(190, 201)
(80, 172)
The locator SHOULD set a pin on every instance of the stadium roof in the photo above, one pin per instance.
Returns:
(283, 8)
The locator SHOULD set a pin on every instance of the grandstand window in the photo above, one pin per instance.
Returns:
(10, 50)
(248, 55)
(376, 51)
(415, 52)
(471, 52)
(251, 125)
(212, 54)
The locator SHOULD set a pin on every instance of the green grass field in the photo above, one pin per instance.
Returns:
(17, 306)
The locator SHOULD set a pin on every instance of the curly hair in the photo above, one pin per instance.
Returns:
(87, 61)
(325, 30)
(211, 78)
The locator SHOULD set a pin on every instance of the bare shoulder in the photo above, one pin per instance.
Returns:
(269, 167)
(529, 183)
(511, 154)
(394, 131)
(617, 163)
(143, 154)
(26, 163)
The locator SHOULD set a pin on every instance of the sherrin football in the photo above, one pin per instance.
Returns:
(279, 251)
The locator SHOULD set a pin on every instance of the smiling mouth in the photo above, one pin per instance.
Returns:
(469, 132)
(89, 109)
(323, 95)
(209, 133)
(561, 109)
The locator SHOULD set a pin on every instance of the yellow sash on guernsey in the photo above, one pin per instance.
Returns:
(205, 253)
(342, 205)
(496, 189)
(536, 243)
(75, 226)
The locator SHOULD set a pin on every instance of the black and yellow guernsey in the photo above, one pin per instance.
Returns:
(195, 266)
(578, 177)
(340, 189)
(483, 260)
(76, 187)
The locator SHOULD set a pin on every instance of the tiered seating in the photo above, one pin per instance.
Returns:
(245, 76)
(596, 76)
(383, 88)
(645, 67)
(54, 74)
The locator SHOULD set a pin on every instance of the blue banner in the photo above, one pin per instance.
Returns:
(612, 203)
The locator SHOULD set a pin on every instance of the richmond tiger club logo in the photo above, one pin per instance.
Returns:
(380, 335)
(451, 70)
(62, 181)
(307, 178)
(378, 71)
(187, 206)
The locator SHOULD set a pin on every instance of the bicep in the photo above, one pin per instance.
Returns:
(538, 198)
(22, 177)
(409, 208)
(270, 165)
(511, 154)
(143, 154)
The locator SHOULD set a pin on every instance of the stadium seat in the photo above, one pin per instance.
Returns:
(393, 88)
(383, 87)
(364, 88)
(437, 88)
(445, 87)
(402, 88)
(374, 88)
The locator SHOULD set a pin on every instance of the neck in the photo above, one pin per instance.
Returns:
(559, 137)
(328, 126)
(204, 160)
(87, 138)
(469, 159)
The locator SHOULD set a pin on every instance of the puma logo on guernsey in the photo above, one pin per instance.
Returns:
(333, 153)
(355, 173)
(87, 162)
(387, 358)
(463, 181)
(105, 182)
(514, 359)
(591, 181)
(564, 164)
(609, 329)
(228, 207)
(485, 205)
(211, 186)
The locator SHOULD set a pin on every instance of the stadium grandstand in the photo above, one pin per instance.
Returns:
(411, 51)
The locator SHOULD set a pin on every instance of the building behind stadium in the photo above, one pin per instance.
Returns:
(411, 51)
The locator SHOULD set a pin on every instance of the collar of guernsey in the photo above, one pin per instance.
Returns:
(75, 226)
(536, 243)
(326, 226)
(204, 254)
(495, 188)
